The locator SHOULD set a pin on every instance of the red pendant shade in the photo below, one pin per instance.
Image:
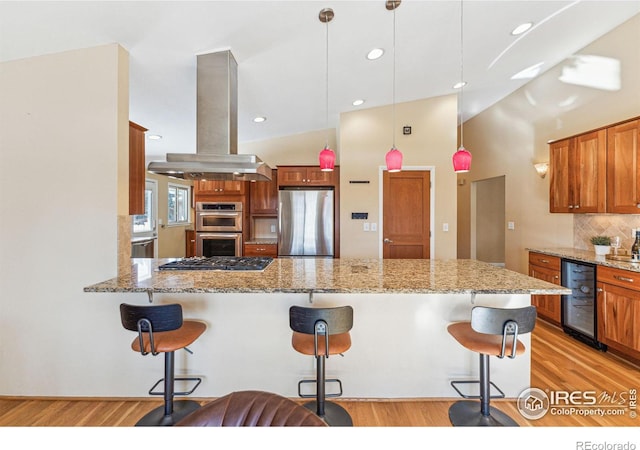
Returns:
(394, 160)
(461, 160)
(327, 159)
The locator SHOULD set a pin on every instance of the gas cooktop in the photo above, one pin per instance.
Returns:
(246, 263)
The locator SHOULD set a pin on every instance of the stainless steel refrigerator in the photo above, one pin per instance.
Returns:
(305, 222)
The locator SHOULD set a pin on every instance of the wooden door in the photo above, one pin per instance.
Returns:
(559, 194)
(406, 214)
(623, 161)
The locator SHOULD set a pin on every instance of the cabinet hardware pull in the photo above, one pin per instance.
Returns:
(387, 241)
(545, 261)
(599, 290)
(618, 277)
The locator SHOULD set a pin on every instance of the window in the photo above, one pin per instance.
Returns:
(178, 205)
(144, 225)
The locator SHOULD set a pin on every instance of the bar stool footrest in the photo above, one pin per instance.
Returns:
(329, 380)
(189, 392)
(453, 385)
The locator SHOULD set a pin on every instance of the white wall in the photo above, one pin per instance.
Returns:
(366, 137)
(508, 138)
(63, 122)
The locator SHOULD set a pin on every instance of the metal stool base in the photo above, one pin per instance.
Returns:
(334, 414)
(156, 417)
(468, 414)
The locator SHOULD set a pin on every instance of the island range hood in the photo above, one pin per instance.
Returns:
(216, 156)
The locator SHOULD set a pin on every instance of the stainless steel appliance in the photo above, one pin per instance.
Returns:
(305, 222)
(218, 229)
(243, 263)
(219, 217)
(143, 247)
(216, 156)
(579, 310)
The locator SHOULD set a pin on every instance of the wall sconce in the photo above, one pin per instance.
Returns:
(542, 168)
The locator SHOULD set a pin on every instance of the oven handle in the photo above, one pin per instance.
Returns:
(219, 235)
(220, 213)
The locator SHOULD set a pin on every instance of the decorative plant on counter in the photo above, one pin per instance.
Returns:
(601, 244)
(601, 240)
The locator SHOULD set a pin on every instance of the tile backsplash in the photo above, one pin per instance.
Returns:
(587, 225)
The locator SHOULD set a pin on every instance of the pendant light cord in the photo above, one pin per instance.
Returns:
(393, 83)
(326, 145)
(462, 82)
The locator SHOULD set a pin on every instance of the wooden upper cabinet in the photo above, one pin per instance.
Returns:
(306, 176)
(559, 184)
(578, 174)
(263, 196)
(623, 172)
(137, 171)
(219, 187)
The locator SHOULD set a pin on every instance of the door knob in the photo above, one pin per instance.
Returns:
(387, 241)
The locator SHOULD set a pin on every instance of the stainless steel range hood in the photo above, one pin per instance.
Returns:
(216, 156)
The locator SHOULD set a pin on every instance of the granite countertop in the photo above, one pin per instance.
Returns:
(262, 241)
(328, 275)
(588, 257)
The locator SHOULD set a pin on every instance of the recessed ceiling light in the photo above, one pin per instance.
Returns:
(154, 137)
(459, 84)
(358, 102)
(375, 53)
(259, 119)
(522, 28)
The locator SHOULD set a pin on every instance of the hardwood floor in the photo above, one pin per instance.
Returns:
(559, 362)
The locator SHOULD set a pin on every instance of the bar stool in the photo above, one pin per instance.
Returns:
(322, 332)
(491, 332)
(161, 329)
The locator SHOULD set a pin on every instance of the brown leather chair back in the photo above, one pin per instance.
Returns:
(252, 409)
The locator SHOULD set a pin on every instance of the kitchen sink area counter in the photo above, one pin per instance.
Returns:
(589, 256)
(329, 275)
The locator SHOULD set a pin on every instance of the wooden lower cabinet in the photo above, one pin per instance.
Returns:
(547, 268)
(261, 250)
(190, 243)
(619, 310)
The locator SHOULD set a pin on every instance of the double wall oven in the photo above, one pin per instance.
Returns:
(218, 229)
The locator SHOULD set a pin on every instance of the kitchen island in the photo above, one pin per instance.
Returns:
(400, 349)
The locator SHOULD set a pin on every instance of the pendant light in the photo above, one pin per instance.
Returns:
(461, 158)
(327, 157)
(394, 156)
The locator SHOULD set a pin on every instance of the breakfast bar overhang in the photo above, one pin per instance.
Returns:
(400, 345)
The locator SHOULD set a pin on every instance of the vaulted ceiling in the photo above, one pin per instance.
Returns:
(280, 47)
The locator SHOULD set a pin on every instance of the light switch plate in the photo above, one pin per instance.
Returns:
(511, 225)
